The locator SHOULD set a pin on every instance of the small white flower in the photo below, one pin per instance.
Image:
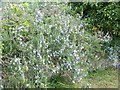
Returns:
(27, 85)
(78, 73)
(1, 86)
(34, 51)
(36, 81)
(75, 77)
(39, 12)
(39, 55)
(13, 63)
(50, 26)
(81, 25)
(35, 68)
(73, 81)
(36, 77)
(54, 70)
(96, 56)
(37, 65)
(17, 59)
(23, 45)
(58, 67)
(19, 28)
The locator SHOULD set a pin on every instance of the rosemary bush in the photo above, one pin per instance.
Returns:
(42, 40)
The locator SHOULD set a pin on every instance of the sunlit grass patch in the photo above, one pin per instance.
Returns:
(100, 79)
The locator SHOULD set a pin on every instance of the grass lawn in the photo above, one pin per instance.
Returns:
(101, 79)
(107, 78)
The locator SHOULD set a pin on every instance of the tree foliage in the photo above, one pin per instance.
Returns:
(104, 16)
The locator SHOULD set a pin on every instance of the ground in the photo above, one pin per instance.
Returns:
(107, 78)
(101, 79)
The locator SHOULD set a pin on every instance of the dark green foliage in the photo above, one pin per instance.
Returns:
(103, 15)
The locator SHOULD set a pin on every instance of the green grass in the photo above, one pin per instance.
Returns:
(107, 78)
(101, 79)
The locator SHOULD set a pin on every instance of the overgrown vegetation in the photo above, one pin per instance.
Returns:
(47, 43)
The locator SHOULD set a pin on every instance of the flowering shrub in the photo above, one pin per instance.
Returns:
(41, 40)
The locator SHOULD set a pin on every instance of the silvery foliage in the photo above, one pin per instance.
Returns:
(57, 44)
(113, 55)
(112, 51)
(65, 39)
